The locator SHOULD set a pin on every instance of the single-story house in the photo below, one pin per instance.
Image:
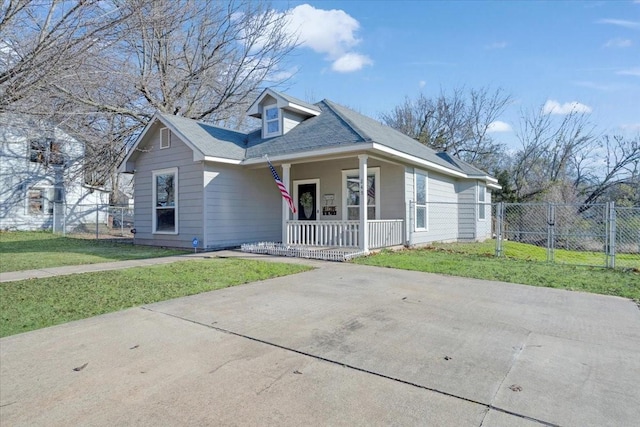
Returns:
(198, 181)
(42, 185)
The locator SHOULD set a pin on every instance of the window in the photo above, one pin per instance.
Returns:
(271, 121)
(45, 151)
(165, 138)
(35, 201)
(351, 194)
(421, 218)
(165, 201)
(481, 202)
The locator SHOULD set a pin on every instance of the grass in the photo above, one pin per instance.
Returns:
(522, 265)
(41, 249)
(37, 303)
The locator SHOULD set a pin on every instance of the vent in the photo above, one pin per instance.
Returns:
(165, 138)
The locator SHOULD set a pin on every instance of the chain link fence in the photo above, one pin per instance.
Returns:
(596, 235)
(93, 221)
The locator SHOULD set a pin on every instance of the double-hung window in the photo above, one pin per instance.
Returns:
(481, 202)
(35, 201)
(271, 121)
(421, 212)
(46, 151)
(351, 194)
(165, 201)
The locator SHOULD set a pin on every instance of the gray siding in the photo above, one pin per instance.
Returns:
(189, 214)
(442, 208)
(242, 206)
(467, 210)
(290, 120)
(409, 197)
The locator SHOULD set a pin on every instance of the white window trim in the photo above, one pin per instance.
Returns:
(295, 195)
(165, 134)
(481, 189)
(370, 171)
(45, 189)
(154, 216)
(265, 132)
(415, 200)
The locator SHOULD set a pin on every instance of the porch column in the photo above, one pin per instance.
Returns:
(364, 228)
(286, 167)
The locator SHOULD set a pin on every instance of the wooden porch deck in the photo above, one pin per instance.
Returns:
(325, 253)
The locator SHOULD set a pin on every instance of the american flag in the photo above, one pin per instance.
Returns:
(282, 188)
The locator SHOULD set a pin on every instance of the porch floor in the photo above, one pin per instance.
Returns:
(325, 253)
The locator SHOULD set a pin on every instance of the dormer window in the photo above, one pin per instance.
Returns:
(271, 121)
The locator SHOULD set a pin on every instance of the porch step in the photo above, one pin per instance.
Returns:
(325, 253)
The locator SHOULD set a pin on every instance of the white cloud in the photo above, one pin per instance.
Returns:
(630, 72)
(554, 107)
(632, 127)
(634, 25)
(422, 84)
(329, 32)
(350, 62)
(279, 75)
(497, 45)
(618, 43)
(499, 126)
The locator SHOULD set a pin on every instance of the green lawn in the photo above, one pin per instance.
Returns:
(37, 303)
(522, 265)
(523, 251)
(32, 250)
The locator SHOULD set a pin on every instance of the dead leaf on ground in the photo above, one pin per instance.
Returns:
(515, 387)
(80, 368)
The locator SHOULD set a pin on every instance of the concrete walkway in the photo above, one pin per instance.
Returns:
(340, 345)
(13, 276)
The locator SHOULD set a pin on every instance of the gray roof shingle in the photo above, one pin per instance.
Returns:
(336, 126)
(210, 140)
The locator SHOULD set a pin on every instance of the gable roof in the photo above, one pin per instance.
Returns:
(334, 128)
(283, 101)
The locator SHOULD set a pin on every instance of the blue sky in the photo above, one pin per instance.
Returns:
(369, 55)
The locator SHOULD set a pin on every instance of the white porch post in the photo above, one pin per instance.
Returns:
(364, 229)
(286, 167)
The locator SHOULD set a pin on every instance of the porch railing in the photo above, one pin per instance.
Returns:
(382, 233)
(323, 233)
(385, 232)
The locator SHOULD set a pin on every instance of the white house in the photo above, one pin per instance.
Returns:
(41, 171)
(195, 180)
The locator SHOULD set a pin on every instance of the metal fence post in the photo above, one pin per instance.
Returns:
(499, 228)
(97, 220)
(551, 223)
(611, 235)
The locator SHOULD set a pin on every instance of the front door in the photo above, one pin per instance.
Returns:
(307, 201)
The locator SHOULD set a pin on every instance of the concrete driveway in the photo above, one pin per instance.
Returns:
(341, 345)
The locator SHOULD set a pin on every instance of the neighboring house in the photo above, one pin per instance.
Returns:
(41, 177)
(193, 179)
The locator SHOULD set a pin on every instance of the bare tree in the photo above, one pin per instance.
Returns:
(101, 68)
(616, 165)
(552, 151)
(40, 42)
(199, 59)
(457, 123)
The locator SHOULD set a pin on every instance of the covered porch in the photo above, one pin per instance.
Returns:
(354, 202)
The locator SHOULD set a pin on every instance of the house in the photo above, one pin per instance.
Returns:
(195, 180)
(42, 178)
